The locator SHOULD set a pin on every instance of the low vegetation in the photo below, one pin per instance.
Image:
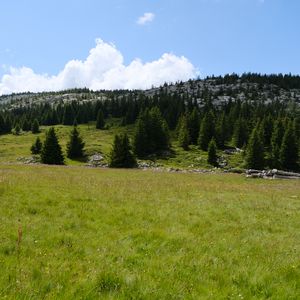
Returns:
(80, 233)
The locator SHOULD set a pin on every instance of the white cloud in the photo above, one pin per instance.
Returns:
(103, 69)
(146, 18)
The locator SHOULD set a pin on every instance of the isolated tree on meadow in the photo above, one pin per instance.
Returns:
(100, 120)
(35, 127)
(17, 129)
(75, 146)
(36, 147)
(212, 153)
(121, 155)
(51, 152)
(255, 156)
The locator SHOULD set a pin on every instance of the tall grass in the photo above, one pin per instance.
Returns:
(128, 234)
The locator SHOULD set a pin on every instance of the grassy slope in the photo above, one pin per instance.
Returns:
(13, 147)
(128, 234)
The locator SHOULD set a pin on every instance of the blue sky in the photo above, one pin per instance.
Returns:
(216, 36)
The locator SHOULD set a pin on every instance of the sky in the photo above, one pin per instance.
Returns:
(109, 44)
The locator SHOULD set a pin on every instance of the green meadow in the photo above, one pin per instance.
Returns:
(72, 232)
(13, 147)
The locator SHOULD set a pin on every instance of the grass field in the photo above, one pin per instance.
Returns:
(129, 234)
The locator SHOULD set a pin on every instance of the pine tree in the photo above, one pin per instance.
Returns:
(240, 133)
(75, 145)
(193, 126)
(255, 151)
(289, 154)
(212, 153)
(121, 155)
(51, 152)
(151, 133)
(69, 115)
(36, 148)
(276, 141)
(207, 130)
(26, 126)
(17, 129)
(35, 127)
(2, 125)
(100, 120)
(221, 131)
(183, 135)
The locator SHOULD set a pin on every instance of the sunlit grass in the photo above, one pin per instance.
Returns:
(129, 234)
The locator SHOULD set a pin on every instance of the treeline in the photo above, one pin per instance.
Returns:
(269, 132)
(285, 81)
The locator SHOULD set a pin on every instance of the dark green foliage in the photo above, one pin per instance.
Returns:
(276, 141)
(193, 122)
(212, 153)
(35, 128)
(17, 129)
(240, 133)
(75, 145)
(121, 155)
(221, 131)
(26, 125)
(207, 130)
(36, 148)
(100, 123)
(255, 157)
(2, 125)
(151, 133)
(289, 152)
(183, 134)
(69, 115)
(267, 126)
(51, 152)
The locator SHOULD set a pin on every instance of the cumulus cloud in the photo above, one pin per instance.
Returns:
(104, 68)
(146, 18)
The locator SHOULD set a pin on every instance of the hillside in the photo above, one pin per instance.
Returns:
(253, 87)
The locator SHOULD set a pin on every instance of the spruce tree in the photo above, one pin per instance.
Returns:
(36, 148)
(17, 129)
(255, 151)
(35, 127)
(183, 135)
(212, 153)
(207, 130)
(221, 131)
(69, 115)
(193, 126)
(240, 133)
(75, 145)
(276, 141)
(121, 155)
(140, 141)
(51, 151)
(26, 126)
(2, 125)
(151, 133)
(100, 120)
(289, 152)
